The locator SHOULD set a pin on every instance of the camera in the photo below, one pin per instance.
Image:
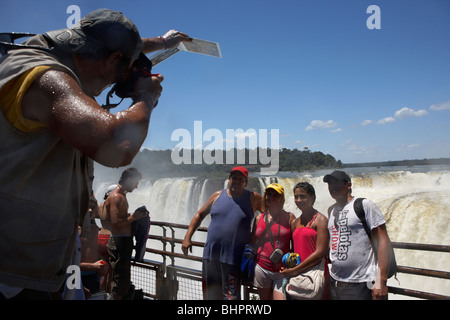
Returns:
(276, 256)
(142, 67)
(124, 88)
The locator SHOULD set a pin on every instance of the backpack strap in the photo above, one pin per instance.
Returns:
(360, 213)
(330, 209)
(359, 210)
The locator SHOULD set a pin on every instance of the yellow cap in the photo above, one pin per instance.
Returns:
(277, 187)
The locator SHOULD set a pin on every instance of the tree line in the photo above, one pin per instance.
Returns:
(405, 163)
(159, 163)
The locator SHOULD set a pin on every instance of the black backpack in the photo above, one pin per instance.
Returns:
(359, 210)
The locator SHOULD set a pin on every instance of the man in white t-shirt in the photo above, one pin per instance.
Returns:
(354, 267)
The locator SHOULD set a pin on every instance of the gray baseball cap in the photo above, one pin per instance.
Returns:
(102, 28)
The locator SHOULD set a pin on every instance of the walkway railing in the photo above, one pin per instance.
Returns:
(168, 280)
(420, 271)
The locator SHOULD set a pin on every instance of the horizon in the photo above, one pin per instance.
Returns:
(343, 163)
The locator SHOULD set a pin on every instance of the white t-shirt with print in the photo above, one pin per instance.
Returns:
(351, 254)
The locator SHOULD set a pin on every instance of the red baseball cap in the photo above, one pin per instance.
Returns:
(241, 170)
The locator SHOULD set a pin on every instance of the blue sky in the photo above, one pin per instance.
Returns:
(311, 69)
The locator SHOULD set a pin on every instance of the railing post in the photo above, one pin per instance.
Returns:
(164, 245)
(160, 283)
(172, 245)
(172, 277)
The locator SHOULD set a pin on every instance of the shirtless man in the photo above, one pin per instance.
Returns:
(120, 244)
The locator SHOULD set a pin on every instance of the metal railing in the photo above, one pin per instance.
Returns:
(421, 271)
(172, 282)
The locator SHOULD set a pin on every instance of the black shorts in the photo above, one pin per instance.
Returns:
(120, 250)
(220, 281)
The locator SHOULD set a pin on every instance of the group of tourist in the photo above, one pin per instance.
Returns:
(337, 239)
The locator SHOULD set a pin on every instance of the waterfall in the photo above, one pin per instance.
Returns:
(173, 200)
(415, 202)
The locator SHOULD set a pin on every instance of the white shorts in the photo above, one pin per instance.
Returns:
(267, 279)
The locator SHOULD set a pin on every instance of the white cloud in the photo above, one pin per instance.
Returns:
(319, 124)
(407, 113)
(386, 120)
(366, 122)
(243, 135)
(336, 130)
(402, 114)
(440, 106)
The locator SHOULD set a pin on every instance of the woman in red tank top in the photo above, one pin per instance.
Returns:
(310, 235)
(271, 230)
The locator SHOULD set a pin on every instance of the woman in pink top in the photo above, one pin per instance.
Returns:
(268, 279)
(310, 235)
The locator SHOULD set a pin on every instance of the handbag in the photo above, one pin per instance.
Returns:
(308, 284)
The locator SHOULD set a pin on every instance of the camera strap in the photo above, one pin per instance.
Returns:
(7, 42)
(269, 227)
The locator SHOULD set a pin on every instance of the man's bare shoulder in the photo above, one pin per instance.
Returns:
(256, 195)
(52, 86)
(256, 200)
(56, 81)
(116, 198)
(214, 196)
